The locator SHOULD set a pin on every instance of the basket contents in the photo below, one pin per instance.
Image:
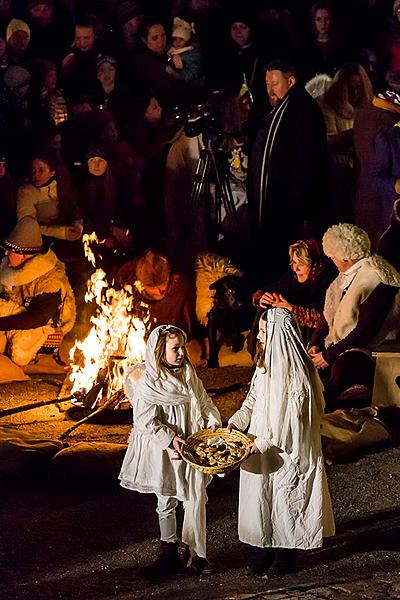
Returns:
(216, 452)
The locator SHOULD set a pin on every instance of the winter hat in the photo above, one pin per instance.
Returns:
(104, 58)
(15, 77)
(153, 269)
(96, 151)
(181, 29)
(346, 242)
(128, 10)
(17, 25)
(25, 238)
(32, 3)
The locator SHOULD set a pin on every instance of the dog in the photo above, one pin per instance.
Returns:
(222, 304)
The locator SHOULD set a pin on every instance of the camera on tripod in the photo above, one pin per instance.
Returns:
(204, 119)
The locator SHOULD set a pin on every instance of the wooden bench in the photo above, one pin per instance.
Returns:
(387, 368)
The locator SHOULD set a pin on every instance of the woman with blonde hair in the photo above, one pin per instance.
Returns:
(350, 90)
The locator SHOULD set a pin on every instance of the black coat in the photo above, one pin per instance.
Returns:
(288, 175)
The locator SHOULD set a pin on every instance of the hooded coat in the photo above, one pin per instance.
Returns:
(284, 499)
(169, 403)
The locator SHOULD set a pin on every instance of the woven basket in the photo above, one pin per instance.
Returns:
(205, 434)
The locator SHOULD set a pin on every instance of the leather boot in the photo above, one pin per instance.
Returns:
(166, 565)
(261, 560)
(285, 562)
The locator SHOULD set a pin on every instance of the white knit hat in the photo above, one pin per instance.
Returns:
(181, 29)
(17, 25)
(346, 242)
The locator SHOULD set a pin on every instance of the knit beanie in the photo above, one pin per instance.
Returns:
(17, 25)
(152, 269)
(128, 10)
(15, 77)
(104, 58)
(25, 238)
(346, 242)
(181, 29)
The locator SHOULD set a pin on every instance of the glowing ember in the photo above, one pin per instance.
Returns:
(114, 343)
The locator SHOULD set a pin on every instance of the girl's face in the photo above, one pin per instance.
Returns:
(97, 166)
(174, 350)
(355, 90)
(156, 39)
(322, 21)
(178, 42)
(153, 111)
(300, 270)
(262, 332)
(40, 172)
(240, 33)
(106, 73)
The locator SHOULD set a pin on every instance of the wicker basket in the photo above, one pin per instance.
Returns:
(205, 434)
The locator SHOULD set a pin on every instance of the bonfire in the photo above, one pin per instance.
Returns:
(114, 344)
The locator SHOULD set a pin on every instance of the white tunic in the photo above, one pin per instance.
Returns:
(284, 499)
(168, 404)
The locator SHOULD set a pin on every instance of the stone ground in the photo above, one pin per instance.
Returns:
(79, 540)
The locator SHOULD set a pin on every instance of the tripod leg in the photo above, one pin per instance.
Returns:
(199, 180)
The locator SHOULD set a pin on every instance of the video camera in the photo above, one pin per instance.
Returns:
(204, 119)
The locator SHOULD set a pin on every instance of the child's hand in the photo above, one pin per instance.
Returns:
(177, 443)
(214, 428)
(176, 59)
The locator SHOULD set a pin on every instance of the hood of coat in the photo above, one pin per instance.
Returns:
(32, 269)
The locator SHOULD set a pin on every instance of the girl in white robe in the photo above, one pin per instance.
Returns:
(169, 404)
(284, 502)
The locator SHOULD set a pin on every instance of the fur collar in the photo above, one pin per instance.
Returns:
(35, 267)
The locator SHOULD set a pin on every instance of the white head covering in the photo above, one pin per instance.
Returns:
(292, 392)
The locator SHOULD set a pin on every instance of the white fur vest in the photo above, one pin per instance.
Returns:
(341, 312)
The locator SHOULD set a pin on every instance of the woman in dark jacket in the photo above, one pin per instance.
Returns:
(301, 290)
(150, 67)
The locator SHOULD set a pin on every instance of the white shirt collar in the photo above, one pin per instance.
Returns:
(347, 277)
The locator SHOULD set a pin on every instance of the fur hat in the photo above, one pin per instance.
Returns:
(15, 77)
(153, 269)
(181, 29)
(346, 242)
(17, 25)
(25, 238)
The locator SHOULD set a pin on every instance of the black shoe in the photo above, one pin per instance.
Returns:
(261, 561)
(201, 566)
(166, 565)
(284, 563)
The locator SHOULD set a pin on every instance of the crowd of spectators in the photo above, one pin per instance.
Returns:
(95, 95)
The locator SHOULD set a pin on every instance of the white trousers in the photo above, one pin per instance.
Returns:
(21, 345)
(194, 522)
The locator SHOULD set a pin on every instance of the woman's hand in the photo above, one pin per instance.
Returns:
(177, 444)
(280, 302)
(267, 299)
(253, 449)
(319, 361)
(313, 350)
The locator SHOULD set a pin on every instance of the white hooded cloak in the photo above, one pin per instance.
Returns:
(166, 404)
(284, 499)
